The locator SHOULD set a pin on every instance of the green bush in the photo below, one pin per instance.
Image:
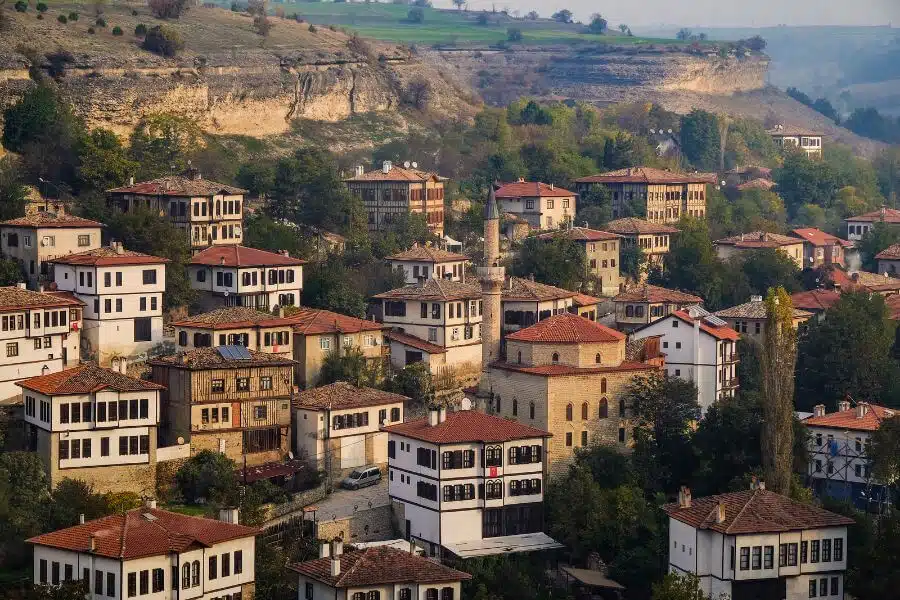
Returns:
(91, 30)
(100, 22)
(73, 16)
(21, 6)
(62, 19)
(117, 30)
(163, 40)
(41, 7)
(140, 30)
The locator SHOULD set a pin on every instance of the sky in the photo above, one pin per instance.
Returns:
(712, 13)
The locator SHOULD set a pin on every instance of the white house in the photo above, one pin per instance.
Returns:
(337, 426)
(859, 225)
(788, 136)
(699, 347)
(123, 295)
(543, 205)
(757, 544)
(151, 554)
(94, 424)
(429, 262)
(36, 238)
(237, 326)
(838, 463)
(240, 276)
(375, 573)
(39, 334)
(434, 321)
(468, 484)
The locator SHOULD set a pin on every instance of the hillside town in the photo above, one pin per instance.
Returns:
(554, 351)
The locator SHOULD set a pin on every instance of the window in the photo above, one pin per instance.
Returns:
(493, 456)
(110, 584)
(792, 555)
(814, 551)
(834, 586)
(395, 414)
(243, 384)
(745, 558)
(118, 305)
(569, 438)
(447, 593)
(555, 359)
(405, 594)
(426, 458)
(768, 553)
(823, 586)
(803, 548)
(782, 555)
(531, 410)
(12, 349)
(132, 585)
(812, 588)
(149, 276)
(98, 582)
(212, 569)
(195, 573)
(584, 438)
(569, 412)
(145, 582)
(265, 383)
(838, 549)
(185, 576)
(756, 558)
(826, 550)
(238, 562)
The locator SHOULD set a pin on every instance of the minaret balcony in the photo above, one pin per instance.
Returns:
(491, 274)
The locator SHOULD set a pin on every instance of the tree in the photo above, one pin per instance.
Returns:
(848, 353)
(532, 15)
(413, 381)
(103, 161)
(728, 443)
(513, 34)
(13, 195)
(418, 92)
(330, 285)
(779, 355)
(692, 264)
(803, 180)
(163, 143)
(684, 34)
(766, 268)
(163, 40)
(11, 272)
(168, 9)
(350, 366)
(876, 239)
(700, 139)
(563, 16)
(598, 24)
(265, 233)
(676, 586)
(415, 15)
(560, 261)
(208, 475)
(884, 450)
(257, 176)
(23, 490)
(632, 261)
(72, 498)
(663, 410)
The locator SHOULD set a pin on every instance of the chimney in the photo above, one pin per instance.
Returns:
(861, 409)
(119, 248)
(521, 180)
(21, 286)
(359, 170)
(755, 298)
(442, 414)
(386, 167)
(131, 180)
(286, 253)
(684, 497)
(92, 542)
(433, 418)
(81, 519)
(123, 365)
(149, 503)
(551, 186)
(844, 405)
(229, 515)
(762, 485)
(280, 311)
(819, 410)
(324, 550)
(754, 483)
(720, 513)
(337, 547)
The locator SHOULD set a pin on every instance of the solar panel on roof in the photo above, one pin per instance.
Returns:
(234, 352)
(715, 321)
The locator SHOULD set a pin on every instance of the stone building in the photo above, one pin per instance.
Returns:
(645, 303)
(601, 249)
(96, 425)
(35, 239)
(227, 399)
(209, 213)
(393, 190)
(566, 374)
(663, 196)
(543, 206)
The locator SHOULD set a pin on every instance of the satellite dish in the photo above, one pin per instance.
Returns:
(384, 422)
(406, 164)
(652, 132)
(670, 131)
(180, 440)
(226, 294)
(291, 455)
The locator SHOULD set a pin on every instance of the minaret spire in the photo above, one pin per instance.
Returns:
(491, 275)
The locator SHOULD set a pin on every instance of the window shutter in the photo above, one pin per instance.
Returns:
(480, 490)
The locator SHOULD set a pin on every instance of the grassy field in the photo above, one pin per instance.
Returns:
(389, 22)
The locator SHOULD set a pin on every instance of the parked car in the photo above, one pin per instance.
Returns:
(369, 475)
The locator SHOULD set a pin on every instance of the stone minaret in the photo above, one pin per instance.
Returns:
(491, 276)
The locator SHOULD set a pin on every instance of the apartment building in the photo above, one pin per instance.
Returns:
(239, 276)
(643, 304)
(375, 573)
(40, 333)
(758, 544)
(792, 247)
(337, 426)
(654, 239)
(601, 250)
(542, 205)
(393, 190)
(428, 262)
(699, 347)
(237, 326)
(663, 196)
(122, 291)
(96, 425)
(209, 213)
(150, 554)
(790, 136)
(456, 480)
(227, 399)
(37, 238)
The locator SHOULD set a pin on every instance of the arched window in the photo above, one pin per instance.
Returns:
(519, 357)
(555, 357)
(447, 593)
(584, 411)
(569, 412)
(515, 407)
(431, 594)
(598, 359)
(186, 576)
(604, 408)
(621, 407)
(531, 410)
(603, 385)
(195, 573)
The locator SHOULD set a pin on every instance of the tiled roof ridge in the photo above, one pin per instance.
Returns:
(353, 568)
(741, 512)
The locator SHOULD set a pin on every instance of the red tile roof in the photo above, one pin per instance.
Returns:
(106, 256)
(864, 280)
(754, 511)
(791, 131)
(242, 256)
(756, 184)
(49, 219)
(433, 289)
(466, 426)
(580, 234)
(428, 254)
(180, 186)
(647, 175)
(314, 321)
(379, 565)
(342, 395)
(721, 332)
(567, 370)
(847, 419)
(397, 173)
(521, 289)
(85, 379)
(817, 237)
(566, 328)
(654, 294)
(888, 215)
(233, 317)
(892, 252)
(415, 342)
(142, 532)
(893, 306)
(758, 239)
(585, 300)
(635, 226)
(815, 300)
(15, 298)
(531, 189)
